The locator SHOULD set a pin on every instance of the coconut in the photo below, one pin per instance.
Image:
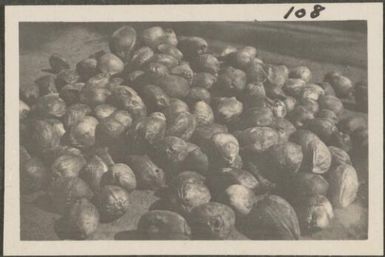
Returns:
(310, 104)
(184, 70)
(58, 63)
(203, 133)
(188, 192)
(113, 126)
(147, 173)
(203, 113)
(141, 56)
(46, 85)
(75, 113)
(212, 221)
(300, 115)
(121, 175)
(87, 68)
(351, 124)
(24, 110)
(65, 77)
(242, 58)
(93, 95)
(82, 134)
(240, 198)
(204, 80)
(192, 46)
(257, 139)
(197, 160)
(283, 161)
(128, 99)
(339, 156)
(341, 140)
(341, 84)
(225, 148)
(174, 86)
(219, 181)
(44, 136)
(331, 103)
(205, 63)
(154, 97)
(360, 139)
(68, 165)
(123, 41)
(278, 108)
(170, 152)
(34, 175)
(147, 131)
(276, 75)
(93, 172)
(83, 219)
(257, 116)
(301, 72)
(312, 92)
(284, 128)
(167, 60)
(317, 157)
(227, 109)
(305, 185)
(175, 107)
(254, 95)
(328, 114)
(65, 191)
(50, 106)
(272, 218)
(315, 213)
(198, 94)
(113, 202)
(103, 111)
(154, 72)
(323, 128)
(170, 50)
(231, 80)
(71, 93)
(182, 125)
(163, 225)
(290, 103)
(344, 185)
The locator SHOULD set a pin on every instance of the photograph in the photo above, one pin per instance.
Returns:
(174, 130)
(204, 130)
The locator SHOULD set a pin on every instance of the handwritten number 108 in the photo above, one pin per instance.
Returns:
(302, 12)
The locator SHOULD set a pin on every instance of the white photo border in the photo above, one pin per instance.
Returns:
(371, 12)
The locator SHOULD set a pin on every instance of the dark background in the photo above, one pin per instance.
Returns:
(329, 41)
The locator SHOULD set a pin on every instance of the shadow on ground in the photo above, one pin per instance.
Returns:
(128, 235)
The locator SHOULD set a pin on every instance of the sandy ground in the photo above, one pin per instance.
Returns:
(318, 48)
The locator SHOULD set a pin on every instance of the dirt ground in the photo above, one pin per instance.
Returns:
(322, 49)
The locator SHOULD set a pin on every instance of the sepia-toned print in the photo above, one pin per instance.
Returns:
(193, 130)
